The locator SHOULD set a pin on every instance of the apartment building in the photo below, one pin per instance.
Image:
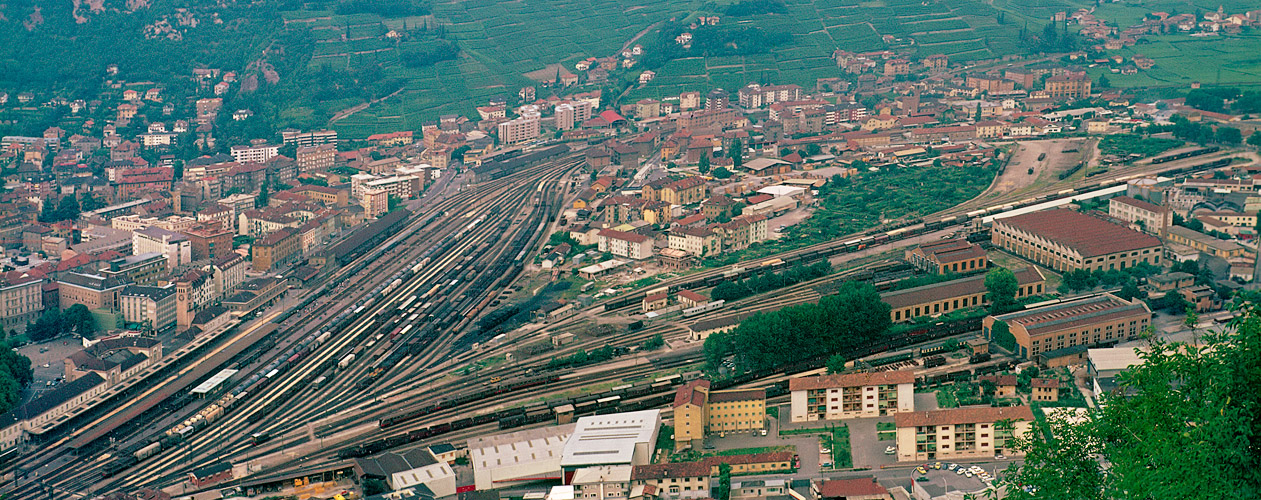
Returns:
(1068, 240)
(254, 154)
(698, 411)
(755, 96)
(149, 308)
(685, 191)
(851, 395)
(698, 241)
(1086, 322)
(1065, 87)
(174, 246)
(571, 114)
(21, 299)
(623, 244)
(955, 255)
(312, 138)
(960, 433)
(276, 249)
(520, 129)
(948, 296)
(321, 157)
(1144, 216)
(679, 480)
(209, 240)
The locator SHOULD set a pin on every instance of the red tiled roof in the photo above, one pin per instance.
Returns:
(1045, 383)
(689, 393)
(692, 296)
(842, 488)
(851, 380)
(677, 469)
(999, 380)
(1090, 236)
(962, 416)
(737, 395)
(1150, 207)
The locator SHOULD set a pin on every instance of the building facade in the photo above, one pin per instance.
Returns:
(1147, 217)
(960, 433)
(698, 411)
(1067, 240)
(1086, 322)
(852, 395)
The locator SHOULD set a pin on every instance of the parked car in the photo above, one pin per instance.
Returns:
(889, 450)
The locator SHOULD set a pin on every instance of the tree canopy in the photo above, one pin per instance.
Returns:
(837, 324)
(1001, 284)
(1186, 423)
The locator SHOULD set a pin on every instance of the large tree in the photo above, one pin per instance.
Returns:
(1002, 285)
(1186, 423)
(736, 153)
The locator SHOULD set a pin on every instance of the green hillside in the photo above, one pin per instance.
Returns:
(425, 58)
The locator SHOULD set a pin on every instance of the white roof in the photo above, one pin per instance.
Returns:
(781, 190)
(565, 492)
(761, 163)
(610, 439)
(1113, 358)
(604, 266)
(214, 381)
(602, 474)
(531, 453)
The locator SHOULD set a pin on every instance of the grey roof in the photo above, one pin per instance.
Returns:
(92, 281)
(159, 233)
(54, 398)
(386, 464)
(153, 292)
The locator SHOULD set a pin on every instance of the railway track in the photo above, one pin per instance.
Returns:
(81, 478)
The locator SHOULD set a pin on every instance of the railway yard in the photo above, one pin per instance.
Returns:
(377, 356)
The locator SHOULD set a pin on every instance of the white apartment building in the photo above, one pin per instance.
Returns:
(174, 246)
(520, 129)
(624, 244)
(254, 154)
(149, 305)
(1145, 216)
(570, 114)
(960, 433)
(852, 395)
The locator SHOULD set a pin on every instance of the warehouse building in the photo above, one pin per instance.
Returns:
(1091, 321)
(947, 296)
(417, 467)
(1067, 240)
(616, 439)
(518, 457)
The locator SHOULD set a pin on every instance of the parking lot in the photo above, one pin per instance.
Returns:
(938, 482)
(53, 354)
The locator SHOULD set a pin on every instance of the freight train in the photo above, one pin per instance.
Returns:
(629, 397)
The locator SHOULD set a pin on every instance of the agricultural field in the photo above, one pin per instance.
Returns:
(962, 29)
(1180, 60)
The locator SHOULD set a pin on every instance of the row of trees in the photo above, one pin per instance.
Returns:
(734, 290)
(838, 323)
(54, 322)
(15, 373)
